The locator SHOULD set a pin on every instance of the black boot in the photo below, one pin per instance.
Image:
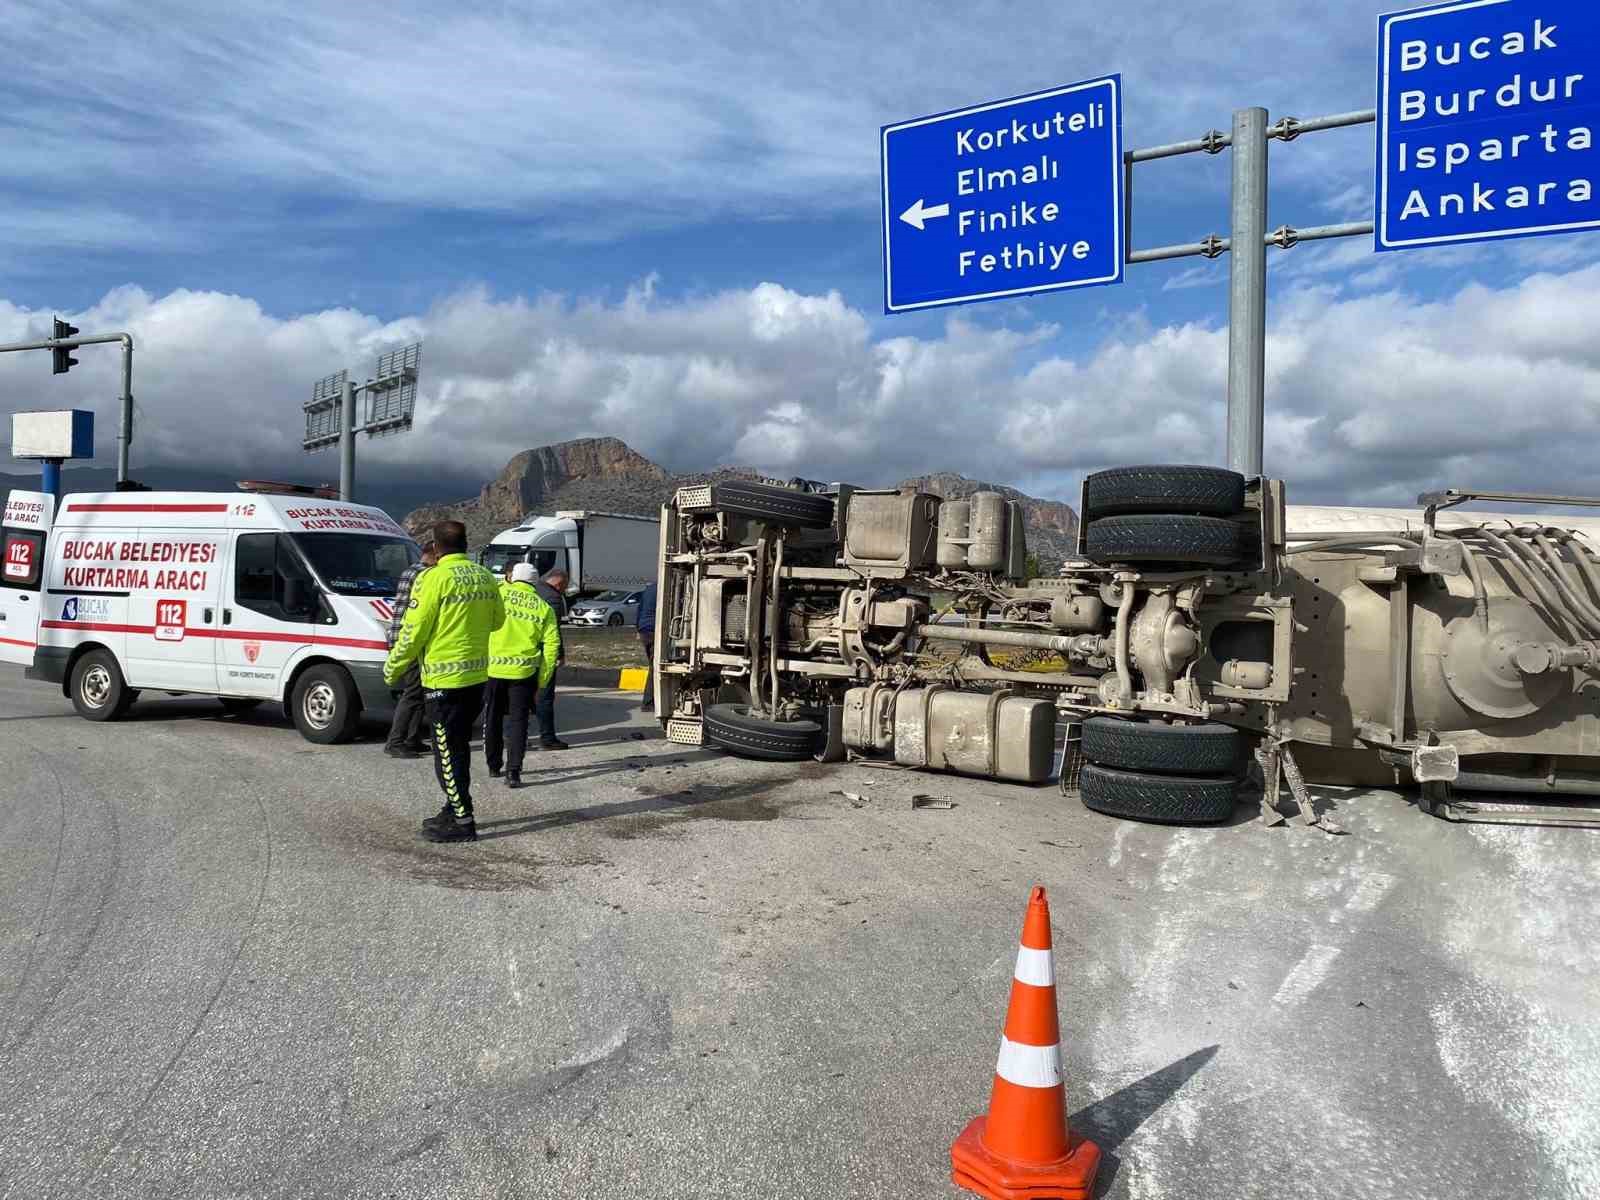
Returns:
(514, 779)
(453, 829)
(494, 771)
(443, 817)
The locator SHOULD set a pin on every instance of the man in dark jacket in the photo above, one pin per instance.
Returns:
(647, 639)
(405, 731)
(553, 590)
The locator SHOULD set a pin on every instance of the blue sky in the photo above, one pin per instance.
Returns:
(600, 217)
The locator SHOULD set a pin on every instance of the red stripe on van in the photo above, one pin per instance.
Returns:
(5, 641)
(149, 508)
(234, 635)
(97, 626)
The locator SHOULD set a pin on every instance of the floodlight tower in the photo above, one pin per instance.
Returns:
(391, 399)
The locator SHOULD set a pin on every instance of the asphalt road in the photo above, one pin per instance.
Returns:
(230, 968)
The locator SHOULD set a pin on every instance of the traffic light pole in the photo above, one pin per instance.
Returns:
(125, 424)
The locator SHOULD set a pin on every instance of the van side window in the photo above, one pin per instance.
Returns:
(263, 563)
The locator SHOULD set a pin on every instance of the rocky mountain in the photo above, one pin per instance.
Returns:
(606, 474)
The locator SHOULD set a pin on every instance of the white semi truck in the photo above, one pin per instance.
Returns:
(598, 550)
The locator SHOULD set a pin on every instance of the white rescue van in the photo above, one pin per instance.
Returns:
(280, 596)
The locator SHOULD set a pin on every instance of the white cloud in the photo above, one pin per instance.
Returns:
(1372, 397)
(594, 118)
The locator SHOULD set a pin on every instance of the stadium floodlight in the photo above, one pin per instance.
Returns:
(391, 401)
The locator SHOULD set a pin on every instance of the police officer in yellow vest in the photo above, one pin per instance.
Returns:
(522, 659)
(454, 609)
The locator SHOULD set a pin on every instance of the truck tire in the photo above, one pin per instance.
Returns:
(324, 706)
(1197, 491)
(1211, 541)
(737, 730)
(1161, 799)
(99, 692)
(1208, 749)
(774, 505)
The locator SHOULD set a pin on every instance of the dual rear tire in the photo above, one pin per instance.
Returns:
(1145, 770)
(1165, 515)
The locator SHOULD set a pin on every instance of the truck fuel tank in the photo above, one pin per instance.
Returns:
(995, 735)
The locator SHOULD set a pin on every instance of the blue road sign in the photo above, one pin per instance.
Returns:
(1487, 111)
(1003, 199)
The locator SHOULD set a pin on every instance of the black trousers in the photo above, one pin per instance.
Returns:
(647, 639)
(406, 728)
(451, 714)
(546, 708)
(507, 705)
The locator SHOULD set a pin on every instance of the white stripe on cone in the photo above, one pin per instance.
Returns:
(1035, 967)
(1029, 1066)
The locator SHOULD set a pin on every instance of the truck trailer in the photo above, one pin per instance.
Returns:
(599, 551)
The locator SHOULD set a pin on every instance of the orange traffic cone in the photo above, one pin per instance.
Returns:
(1023, 1149)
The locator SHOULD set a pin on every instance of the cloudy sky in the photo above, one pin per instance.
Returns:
(660, 221)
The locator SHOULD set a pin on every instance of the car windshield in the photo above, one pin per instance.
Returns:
(612, 597)
(358, 564)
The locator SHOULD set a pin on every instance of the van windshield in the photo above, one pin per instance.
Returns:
(358, 564)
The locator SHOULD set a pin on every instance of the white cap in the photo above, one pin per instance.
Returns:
(523, 573)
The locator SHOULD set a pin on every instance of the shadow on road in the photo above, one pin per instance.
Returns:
(1110, 1122)
(695, 798)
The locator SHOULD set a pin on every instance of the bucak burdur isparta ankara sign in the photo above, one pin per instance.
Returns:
(1487, 111)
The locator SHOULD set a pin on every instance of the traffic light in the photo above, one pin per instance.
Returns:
(61, 360)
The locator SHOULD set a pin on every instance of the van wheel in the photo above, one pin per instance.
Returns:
(232, 705)
(323, 705)
(99, 692)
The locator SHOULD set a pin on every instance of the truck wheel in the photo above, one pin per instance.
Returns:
(739, 731)
(774, 505)
(1209, 749)
(1211, 541)
(1162, 799)
(234, 705)
(323, 705)
(1198, 491)
(99, 692)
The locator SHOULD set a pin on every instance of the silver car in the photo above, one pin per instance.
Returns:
(613, 608)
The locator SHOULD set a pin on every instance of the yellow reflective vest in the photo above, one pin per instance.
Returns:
(530, 638)
(455, 606)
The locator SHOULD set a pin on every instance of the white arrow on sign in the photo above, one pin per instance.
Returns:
(920, 212)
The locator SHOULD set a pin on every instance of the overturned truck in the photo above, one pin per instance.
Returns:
(1196, 632)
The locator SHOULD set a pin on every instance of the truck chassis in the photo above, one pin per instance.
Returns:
(1195, 634)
